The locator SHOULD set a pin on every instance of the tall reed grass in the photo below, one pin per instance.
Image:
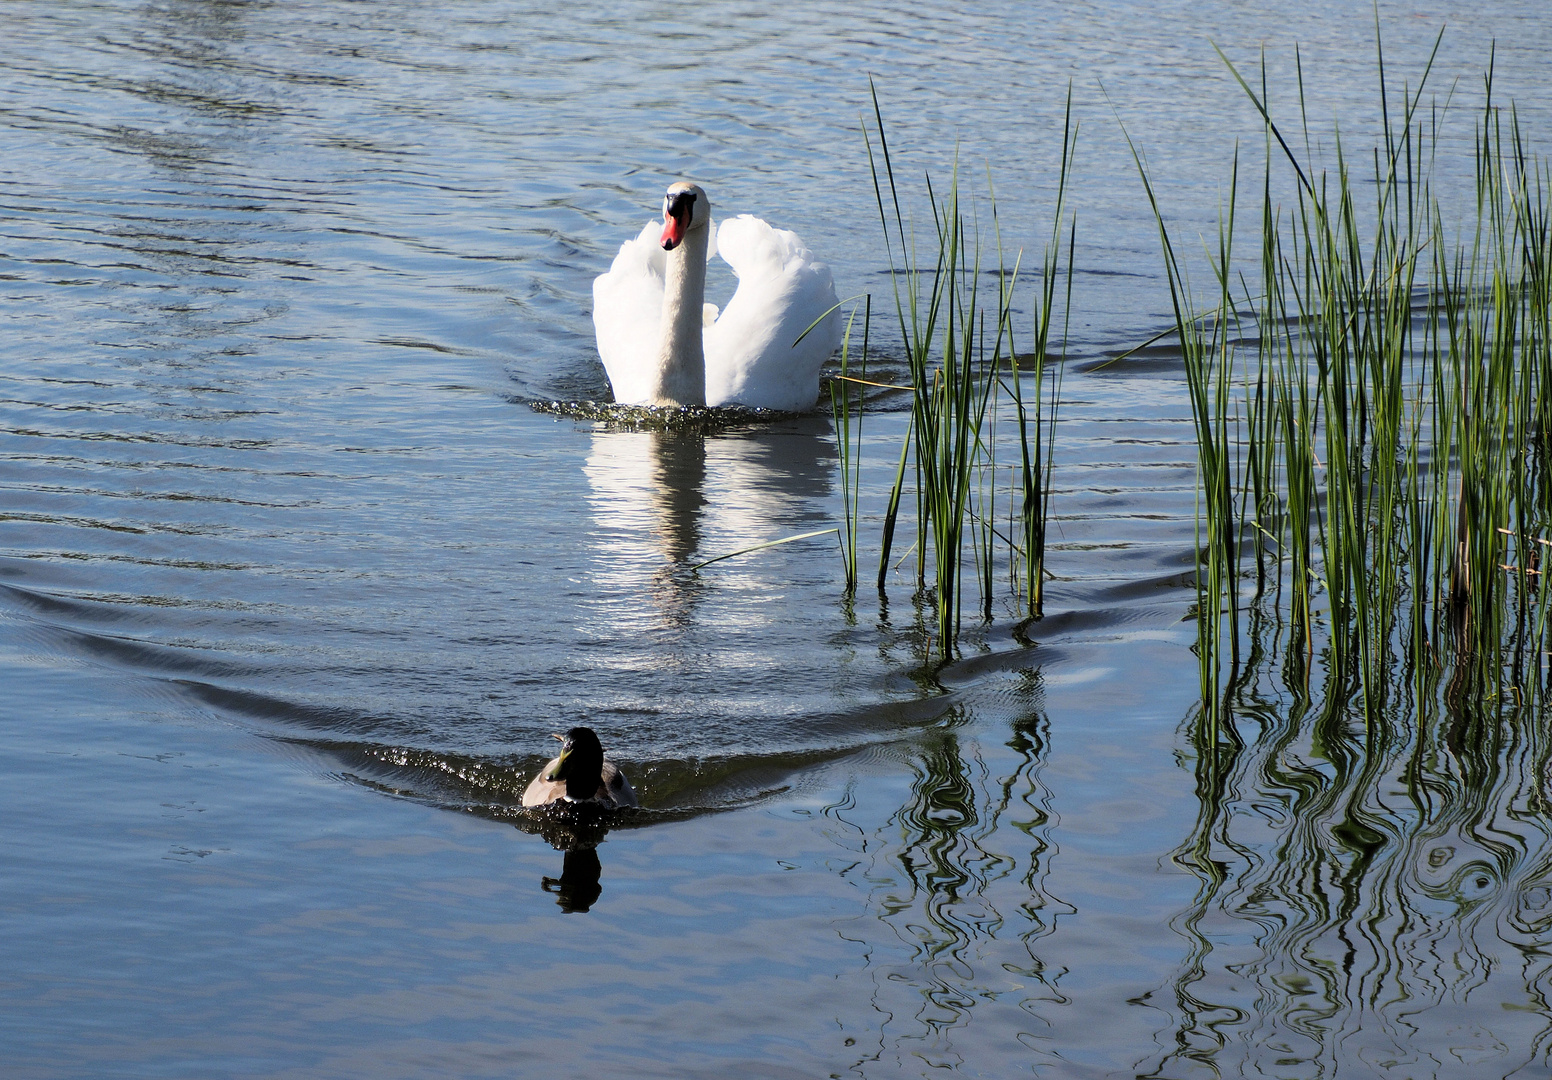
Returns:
(1383, 442)
(959, 338)
(849, 451)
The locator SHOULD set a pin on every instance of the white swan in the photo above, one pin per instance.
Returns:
(662, 344)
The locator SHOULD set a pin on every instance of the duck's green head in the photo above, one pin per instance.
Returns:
(580, 764)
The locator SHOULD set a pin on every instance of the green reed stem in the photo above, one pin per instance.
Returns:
(850, 456)
(1395, 422)
(960, 355)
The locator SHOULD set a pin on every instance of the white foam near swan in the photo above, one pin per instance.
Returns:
(662, 344)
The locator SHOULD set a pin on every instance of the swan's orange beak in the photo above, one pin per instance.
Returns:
(678, 211)
(673, 229)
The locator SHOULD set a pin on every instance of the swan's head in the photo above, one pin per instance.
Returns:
(685, 207)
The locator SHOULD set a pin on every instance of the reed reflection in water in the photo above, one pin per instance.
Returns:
(1380, 895)
(958, 875)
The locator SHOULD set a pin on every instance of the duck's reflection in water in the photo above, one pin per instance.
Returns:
(577, 889)
(576, 830)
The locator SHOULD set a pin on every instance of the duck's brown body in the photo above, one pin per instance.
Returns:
(614, 791)
(580, 774)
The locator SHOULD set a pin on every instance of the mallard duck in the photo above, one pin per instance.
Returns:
(579, 774)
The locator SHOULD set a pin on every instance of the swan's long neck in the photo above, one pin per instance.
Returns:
(681, 357)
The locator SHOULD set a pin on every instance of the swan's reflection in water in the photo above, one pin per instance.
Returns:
(661, 501)
(663, 497)
(650, 484)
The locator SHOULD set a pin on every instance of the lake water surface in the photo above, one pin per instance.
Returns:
(294, 583)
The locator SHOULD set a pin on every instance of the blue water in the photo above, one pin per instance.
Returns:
(294, 584)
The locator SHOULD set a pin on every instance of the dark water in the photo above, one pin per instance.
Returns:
(294, 584)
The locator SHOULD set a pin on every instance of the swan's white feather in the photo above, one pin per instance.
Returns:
(782, 289)
(628, 311)
(750, 359)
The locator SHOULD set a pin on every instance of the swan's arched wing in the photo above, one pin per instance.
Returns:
(782, 288)
(627, 311)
